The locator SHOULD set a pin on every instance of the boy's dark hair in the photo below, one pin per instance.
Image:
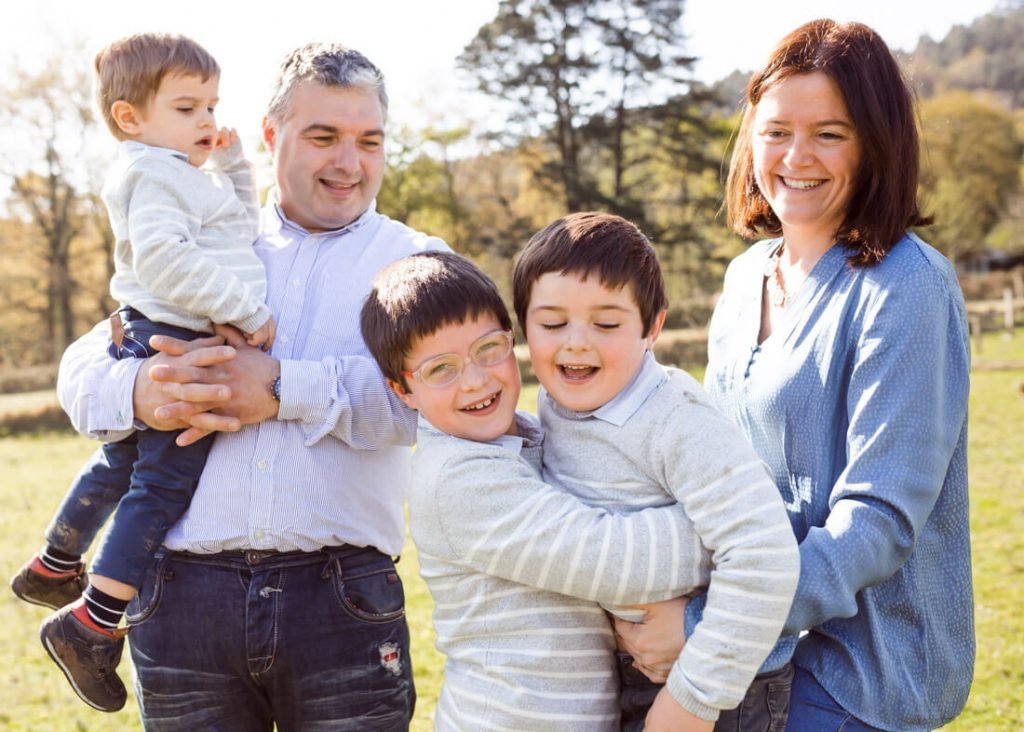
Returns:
(592, 243)
(880, 102)
(415, 296)
(131, 69)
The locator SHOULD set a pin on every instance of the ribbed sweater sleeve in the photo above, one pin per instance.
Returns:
(725, 489)
(497, 516)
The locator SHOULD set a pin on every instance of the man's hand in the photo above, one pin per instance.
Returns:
(239, 385)
(151, 397)
(656, 643)
(666, 715)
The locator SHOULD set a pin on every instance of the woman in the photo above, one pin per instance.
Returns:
(840, 347)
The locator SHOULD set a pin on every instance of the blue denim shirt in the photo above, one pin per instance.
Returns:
(858, 404)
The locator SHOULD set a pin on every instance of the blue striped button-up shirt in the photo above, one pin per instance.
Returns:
(334, 467)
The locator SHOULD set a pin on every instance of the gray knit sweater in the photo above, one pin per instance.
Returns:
(659, 442)
(515, 569)
(183, 253)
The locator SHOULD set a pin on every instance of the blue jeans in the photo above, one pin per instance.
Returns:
(146, 476)
(812, 709)
(93, 496)
(241, 641)
(766, 706)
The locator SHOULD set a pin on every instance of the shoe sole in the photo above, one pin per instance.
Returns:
(33, 601)
(71, 679)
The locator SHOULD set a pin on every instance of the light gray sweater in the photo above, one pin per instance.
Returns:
(184, 238)
(660, 442)
(515, 569)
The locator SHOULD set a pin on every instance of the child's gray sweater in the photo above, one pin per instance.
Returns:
(659, 442)
(515, 569)
(183, 253)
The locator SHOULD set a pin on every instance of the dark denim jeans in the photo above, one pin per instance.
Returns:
(812, 709)
(147, 477)
(764, 708)
(93, 496)
(241, 641)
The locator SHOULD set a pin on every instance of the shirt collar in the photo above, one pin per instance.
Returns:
(617, 411)
(276, 222)
(530, 434)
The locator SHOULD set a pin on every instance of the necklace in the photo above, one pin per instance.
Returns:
(773, 282)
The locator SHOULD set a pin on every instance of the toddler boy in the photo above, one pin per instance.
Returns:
(623, 432)
(183, 261)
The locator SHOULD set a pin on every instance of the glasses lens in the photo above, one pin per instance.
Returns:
(441, 371)
(492, 349)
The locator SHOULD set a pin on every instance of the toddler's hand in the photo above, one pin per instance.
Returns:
(262, 337)
(226, 137)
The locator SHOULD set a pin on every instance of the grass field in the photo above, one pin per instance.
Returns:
(36, 467)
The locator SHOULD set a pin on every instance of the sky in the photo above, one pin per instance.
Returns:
(415, 42)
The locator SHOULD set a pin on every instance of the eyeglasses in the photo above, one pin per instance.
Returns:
(488, 350)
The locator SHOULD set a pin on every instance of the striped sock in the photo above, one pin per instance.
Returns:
(57, 561)
(104, 611)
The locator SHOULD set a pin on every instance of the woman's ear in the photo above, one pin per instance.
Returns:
(126, 117)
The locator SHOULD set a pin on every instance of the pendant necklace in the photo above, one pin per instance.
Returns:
(776, 286)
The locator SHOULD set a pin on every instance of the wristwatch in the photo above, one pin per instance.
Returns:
(275, 389)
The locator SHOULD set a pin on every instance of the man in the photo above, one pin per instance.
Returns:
(275, 599)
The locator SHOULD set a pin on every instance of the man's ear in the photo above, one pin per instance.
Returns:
(655, 331)
(408, 399)
(126, 117)
(270, 138)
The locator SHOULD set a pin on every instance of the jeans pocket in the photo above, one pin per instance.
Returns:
(147, 599)
(372, 595)
(780, 689)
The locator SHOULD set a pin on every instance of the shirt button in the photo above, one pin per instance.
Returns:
(297, 282)
(283, 337)
(262, 465)
(259, 533)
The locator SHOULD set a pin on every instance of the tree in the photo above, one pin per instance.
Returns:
(574, 72)
(48, 118)
(971, 169)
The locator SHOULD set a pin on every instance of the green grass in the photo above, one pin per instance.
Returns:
(36, 468)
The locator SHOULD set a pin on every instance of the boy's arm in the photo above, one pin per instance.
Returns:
(167, 259)
(500, 518)
(230, 160)
(738, 513)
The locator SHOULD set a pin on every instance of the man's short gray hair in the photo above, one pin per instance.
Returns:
(329, 64)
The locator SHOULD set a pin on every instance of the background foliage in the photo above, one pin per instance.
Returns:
(594, 107)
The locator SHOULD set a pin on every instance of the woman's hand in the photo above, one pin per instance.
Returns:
(656, 643)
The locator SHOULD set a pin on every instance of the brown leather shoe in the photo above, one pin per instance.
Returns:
(88, 659)
(51, 592)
